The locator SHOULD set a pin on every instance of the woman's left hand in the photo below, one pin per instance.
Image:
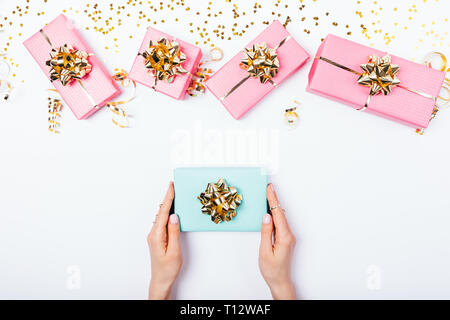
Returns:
(165, 250)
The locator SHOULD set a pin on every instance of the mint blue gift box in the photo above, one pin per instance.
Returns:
(251, 183)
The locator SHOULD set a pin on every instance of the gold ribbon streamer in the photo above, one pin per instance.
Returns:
(220, 201)
(427, 62)
(291, 116)
(443, 67)
(6, 87)
(116, 107)
(261, 62)
(197, 87)
(54, 107)
(163, 58)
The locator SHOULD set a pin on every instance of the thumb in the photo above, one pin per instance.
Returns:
(266, 234)
(173, 229)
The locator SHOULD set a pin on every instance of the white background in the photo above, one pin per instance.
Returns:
(367, 198)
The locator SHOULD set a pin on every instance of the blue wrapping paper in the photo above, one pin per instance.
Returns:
(250, 182)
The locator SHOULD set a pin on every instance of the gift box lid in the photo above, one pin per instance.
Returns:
(250, 182)
(177, 88)
(290, 55)
(98, 84)
(341, 85)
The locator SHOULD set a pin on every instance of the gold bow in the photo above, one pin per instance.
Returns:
(261, 61)
(68, 64)
(220, 201)
(379, 75)
(163, 59)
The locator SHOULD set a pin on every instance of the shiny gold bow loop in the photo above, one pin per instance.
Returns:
(163, 59)
(220, 201)
(379, 75)
(68, 64)
(260, 61)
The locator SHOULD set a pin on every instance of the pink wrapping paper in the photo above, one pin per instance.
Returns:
(401, 105)
(176, 89)
(98, 82)
(291, 56)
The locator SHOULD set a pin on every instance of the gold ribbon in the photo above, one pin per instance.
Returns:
(428, 62)
(197, 87)
(261, 62)
(220, 201)
(163, 59)
(443, 67)
(6, 87)
(9, 89)
(291, 116)
(54, 107)
(116, 107)
(68, 64)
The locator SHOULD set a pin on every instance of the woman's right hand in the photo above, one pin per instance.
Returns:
(275, 252)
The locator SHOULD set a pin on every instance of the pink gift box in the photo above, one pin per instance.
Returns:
(177, 88)
(400, 105)
(99, 87)
(290, 55)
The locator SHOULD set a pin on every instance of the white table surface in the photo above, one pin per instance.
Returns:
(367, 198)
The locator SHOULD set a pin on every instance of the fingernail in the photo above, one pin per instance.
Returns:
(271, 187)
(173, 219)
(267, 218)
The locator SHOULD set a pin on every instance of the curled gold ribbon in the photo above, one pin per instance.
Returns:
(443, 67)
(291, 116)
(68, 64)
(261, 62)
(220, 201)
(6, 87)
(197, 87)
(120, 117)
(163, 58)
(54, 109)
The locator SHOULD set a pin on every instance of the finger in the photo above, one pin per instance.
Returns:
(174, 234)
(279, 218)
(164, 209)
(266, 234)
